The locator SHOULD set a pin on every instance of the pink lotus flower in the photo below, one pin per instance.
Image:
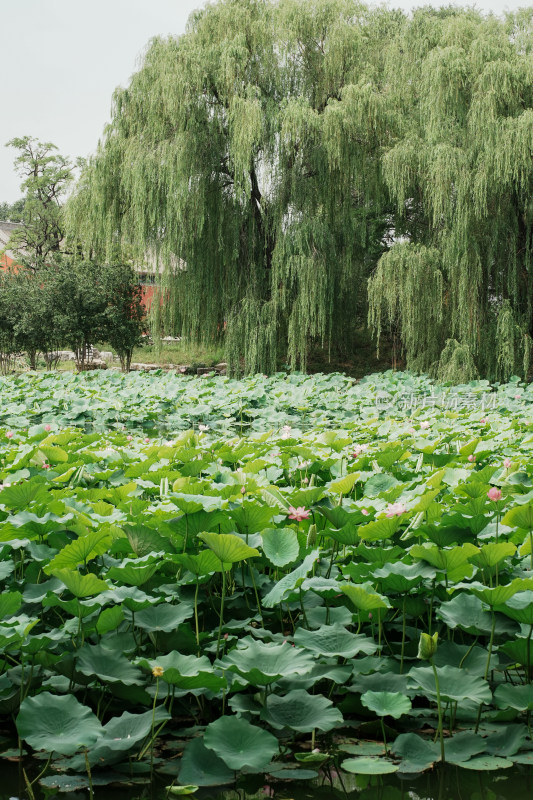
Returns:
(494, 494)
(365, 512)
(507, 463)
(424, 425)
(369, 615)
(396, 510)
(483, 420)
(517, 396)
(46, 465)
(358, 449)
(411, 430)
(9, 434)
(299, 513)
(147, 440)
(48, 427)
(129, 438)
(471, 458)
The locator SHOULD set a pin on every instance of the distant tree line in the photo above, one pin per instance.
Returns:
(319, 166)
(53, 297)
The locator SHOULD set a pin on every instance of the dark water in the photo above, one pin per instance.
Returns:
(450, 783)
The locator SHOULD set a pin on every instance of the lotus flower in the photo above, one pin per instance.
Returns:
(299, 513)
(471, 458)
(9, 434)
(396, 510)
(494, 494)
(48, 427)
(424, 425)
(507, 463)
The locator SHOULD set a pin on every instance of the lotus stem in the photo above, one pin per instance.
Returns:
(221, 607)
(196, 617)
(256, 595)
(403, 635)
(153, 727)
(89, 776)
(439, 711)
(384, 737)
(487, 666)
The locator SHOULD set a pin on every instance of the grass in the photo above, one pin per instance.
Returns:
(179, 353)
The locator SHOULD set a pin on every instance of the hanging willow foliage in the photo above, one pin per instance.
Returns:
(461, 174)
(249, 149)
(270, 159)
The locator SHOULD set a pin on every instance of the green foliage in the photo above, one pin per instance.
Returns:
(279, 157)
(72, 303)
(46, 177)
(247, 142)
(180, 586)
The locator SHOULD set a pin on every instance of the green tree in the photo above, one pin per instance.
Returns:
(7, 336)
(460, 172)
(245, 155)
(302, 166)
(124, 313)
(12, 212)
(46, 177)
(80, 304)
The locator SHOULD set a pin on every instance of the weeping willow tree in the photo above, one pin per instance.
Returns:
(298, 167)
(461, 174)
(248, 151)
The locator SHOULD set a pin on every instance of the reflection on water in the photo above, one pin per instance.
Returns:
(442, 784)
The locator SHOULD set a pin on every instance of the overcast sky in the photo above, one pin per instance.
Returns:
(64, 58)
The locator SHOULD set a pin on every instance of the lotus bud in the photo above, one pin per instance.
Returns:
(311, 536)
(427, 646)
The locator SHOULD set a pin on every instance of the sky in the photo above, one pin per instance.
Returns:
(64, 58)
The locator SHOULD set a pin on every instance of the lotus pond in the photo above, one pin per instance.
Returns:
(272, 580)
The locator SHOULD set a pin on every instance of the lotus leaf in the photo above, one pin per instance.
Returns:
(369, 766)
(58, 724)
(291, 581)
(164, 617)
(280, 545)
(334, 640)
(107, 665)
(240, 744)
(262, 664)
(203, 765)
(417, 754)
(387, 704)
(301, 711)
(81, 585)
(186, 672)
(228, 548)
(518, 696)
(455, 684)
